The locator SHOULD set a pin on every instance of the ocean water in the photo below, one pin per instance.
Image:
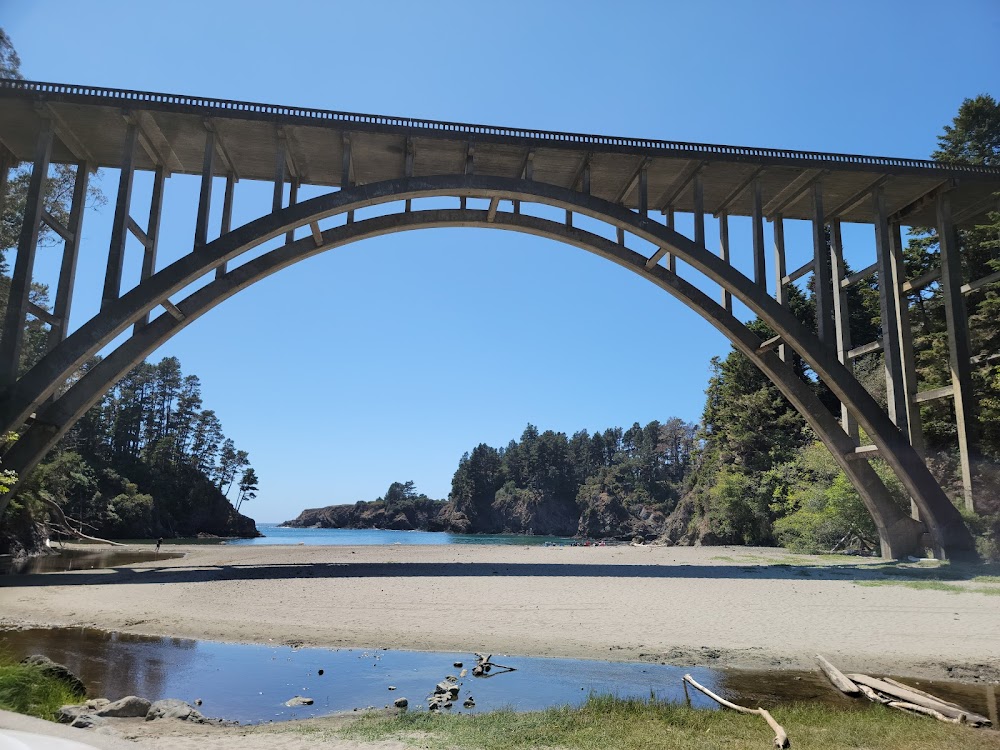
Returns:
(274, 534)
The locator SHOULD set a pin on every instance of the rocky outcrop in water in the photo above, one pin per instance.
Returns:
(414, 515)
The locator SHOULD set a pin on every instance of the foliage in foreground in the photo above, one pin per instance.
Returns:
(27, 689)
(606, 723)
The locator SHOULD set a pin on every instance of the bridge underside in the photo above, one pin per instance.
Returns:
(377, 161)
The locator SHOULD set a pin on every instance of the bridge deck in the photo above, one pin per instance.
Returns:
(90, 124)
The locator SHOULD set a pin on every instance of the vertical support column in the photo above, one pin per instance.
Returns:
(959, 350)
(205, 198)
(586, 178)
(293, 198)
(643, 193)
(901, 305)
(699, 210)
(227, 216)
(278, 194)
(895, 393)
(408, 168)
(780, 269)
(71, 251)
(153, 235)
(727, 298)
(119, 230)
(670, 258)
(24, 266)
(822, 284)
(345, 172)
(841, 318)
(759, 262)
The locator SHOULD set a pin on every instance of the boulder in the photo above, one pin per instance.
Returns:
(298, 700)
(401, 703)
(69, 714)
(57, 671)
(86, 721)
(171, 708)
(129, 707)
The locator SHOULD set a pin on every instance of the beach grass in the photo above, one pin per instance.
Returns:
(933, 585)
(607, 723)
(27, 689)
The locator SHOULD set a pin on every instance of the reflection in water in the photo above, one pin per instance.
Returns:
(79, 559)
(110, 664)
(251, 683)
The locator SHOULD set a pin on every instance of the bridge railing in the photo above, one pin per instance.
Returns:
(223, 105)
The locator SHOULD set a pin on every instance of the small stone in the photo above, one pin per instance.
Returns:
(469, 703)
(197, 701)
(457, 665)
(463, 673)
(298, 700)
(392, 687)
(129, 707)
(320, 673)
(401, 703)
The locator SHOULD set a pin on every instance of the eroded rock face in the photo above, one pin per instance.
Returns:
(58, 671)
(129, 707)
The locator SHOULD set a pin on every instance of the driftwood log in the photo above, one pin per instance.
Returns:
(923, 693)
(780, 736)
(914, 708)
(837, 677)
(920, 698)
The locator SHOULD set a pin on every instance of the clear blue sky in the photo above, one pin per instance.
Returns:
(386, 360)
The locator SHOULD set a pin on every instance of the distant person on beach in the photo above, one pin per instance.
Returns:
(158, 543)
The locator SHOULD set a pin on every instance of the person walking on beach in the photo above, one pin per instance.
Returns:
(158, 543)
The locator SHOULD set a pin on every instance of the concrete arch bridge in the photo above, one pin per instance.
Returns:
(635, 186)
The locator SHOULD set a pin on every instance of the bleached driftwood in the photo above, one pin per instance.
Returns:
(914, 708)
(837, 677)
(908, 695)
(923, 693)
(780, 735)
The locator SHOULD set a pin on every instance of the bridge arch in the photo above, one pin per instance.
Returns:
(37, 390)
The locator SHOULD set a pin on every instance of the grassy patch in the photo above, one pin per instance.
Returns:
(607, 723)
(934, 585)
(28, 690)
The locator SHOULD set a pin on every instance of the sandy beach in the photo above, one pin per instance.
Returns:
(719, 606)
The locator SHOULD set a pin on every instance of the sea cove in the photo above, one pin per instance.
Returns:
(278, 534)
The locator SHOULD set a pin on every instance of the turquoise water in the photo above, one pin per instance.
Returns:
(274, 534)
